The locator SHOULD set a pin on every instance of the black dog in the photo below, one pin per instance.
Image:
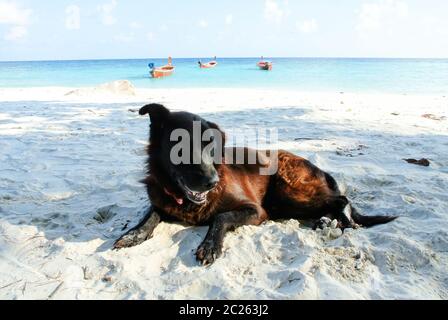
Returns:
(223, 195)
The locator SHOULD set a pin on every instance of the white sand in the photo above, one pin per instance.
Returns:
(69, 171)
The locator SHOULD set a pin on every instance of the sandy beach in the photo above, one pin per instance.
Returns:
(71, 160)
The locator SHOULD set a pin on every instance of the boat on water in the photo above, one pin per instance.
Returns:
(208, 65)
(164, 71)
(265, 65)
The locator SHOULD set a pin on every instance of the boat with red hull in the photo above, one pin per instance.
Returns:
(164, 71)
(208, 65)
(265, 65)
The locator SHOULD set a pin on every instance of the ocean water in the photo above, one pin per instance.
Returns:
(422, 76)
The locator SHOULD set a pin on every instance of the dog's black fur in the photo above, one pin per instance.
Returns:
(226, 196)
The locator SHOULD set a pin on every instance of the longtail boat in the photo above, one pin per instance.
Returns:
(164, 71)
(265, 65)
(208, 65)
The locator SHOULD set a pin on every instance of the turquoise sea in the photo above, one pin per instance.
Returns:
(423, 76)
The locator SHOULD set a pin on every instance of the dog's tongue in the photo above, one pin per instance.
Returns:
(180, 201)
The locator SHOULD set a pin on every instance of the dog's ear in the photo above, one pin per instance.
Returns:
(157, 112)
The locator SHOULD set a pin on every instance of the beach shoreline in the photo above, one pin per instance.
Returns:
(72, 157)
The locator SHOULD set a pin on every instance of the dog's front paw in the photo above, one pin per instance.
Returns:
(208, 252)
(322, 223)
(131, 239)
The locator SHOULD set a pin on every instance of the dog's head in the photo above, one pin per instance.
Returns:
(187, 148)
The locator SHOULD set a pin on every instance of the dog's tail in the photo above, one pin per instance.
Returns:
(369, 221)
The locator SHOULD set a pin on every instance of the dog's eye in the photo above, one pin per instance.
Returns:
(208, 141)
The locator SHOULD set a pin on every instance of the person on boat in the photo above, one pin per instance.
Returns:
(200, 63)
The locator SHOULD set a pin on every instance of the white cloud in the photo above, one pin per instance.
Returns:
(125, 37)
(307, 26)
(203, 23)
(73, 17)
(272, 11)
(150, 36)
(13, 14)
(106, 12)
(16, 17)
(229, 19)
(374, 16)
(16, 33)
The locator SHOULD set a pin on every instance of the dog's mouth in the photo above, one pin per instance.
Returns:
(198, 198)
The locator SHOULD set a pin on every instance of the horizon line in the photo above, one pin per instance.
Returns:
(242, 57)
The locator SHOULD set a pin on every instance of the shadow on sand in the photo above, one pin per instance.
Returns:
(73, 170)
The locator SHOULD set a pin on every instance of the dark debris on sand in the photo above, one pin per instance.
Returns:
(422, 162)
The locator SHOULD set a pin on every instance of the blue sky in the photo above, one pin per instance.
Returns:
(70, 29)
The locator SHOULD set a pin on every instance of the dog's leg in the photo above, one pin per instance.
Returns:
(140, 233)
(211, 248)
(337, 206)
